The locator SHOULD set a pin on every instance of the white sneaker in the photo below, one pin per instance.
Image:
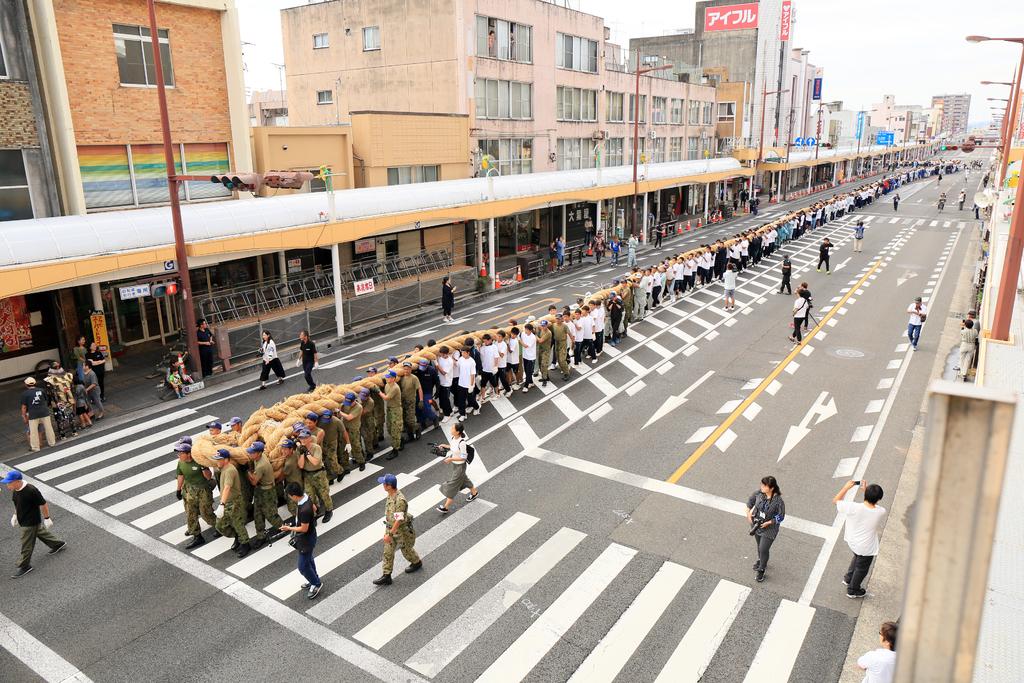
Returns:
(526, 390)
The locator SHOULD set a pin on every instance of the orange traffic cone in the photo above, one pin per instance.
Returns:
(519, 274)
(698, 223)
(497, 283)
(679, 228)
(483, 271)
(687, 225)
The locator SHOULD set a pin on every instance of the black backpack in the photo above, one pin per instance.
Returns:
(470, 452)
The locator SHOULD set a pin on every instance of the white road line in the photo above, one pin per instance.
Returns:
(893, 220)
(676, 332)
(664, 367)
(875, 406)
(701, 434)
(599, 412)
(121, 450)
(659, 349)
(774, 387)
(503, 406)
(340, 601)
(703, 323)
(599, 381)
(656, 322)
(752, 384)
(636, 336)
(862, 433)
(522, 430)
(690, 350)
(885, 383)
(568, 408)
(698, 647)
(901, 348)
(725, 440)
(635, 387)
(157, 492)
(43, 661)
(845, 468)
(729, 406)
(752, 411)
(633, 365)
(516, 662)
(792, 367)
(163, 469)
(326, 562)
(102, 438)
(781, 644)
(807, 350)
(606, 660)
(433, 657)
(402, 614)
(894, 364)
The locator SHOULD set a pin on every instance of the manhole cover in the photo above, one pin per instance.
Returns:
(849, 353)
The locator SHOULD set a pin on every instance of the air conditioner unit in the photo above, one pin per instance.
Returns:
(598, 135)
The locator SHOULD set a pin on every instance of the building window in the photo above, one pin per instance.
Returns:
(573, 52)
(677, 111)
(371, 38)
(692, 151)
(3, 60)
(613, 152)
(694, 117)
(575, 104)
(707, 108)
(500, 39)
(726, 111)
(613, 111)
(320, 41)
(405, 175)
(632, 108)
(658, 107)
(658, 150)
(512, 156)
(134, 48)
(15, 200)
(325, 97)
(675, 149)
(503, 99)
(134, 175)
(573, 153)
(641, 150)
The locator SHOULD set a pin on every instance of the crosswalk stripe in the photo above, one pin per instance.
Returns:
(636, 336)
(100, 439)
(697, 648)
(481, 615)
(659, 349)
(84, 463)
(503, 406)
(264, 557)
(167, 488)
(676, 332)
(655, 321)
(703, 323)
(893, 220)
(342, 600)
(633, 365)
(781, 643)
(117, 468)
(610, 350)
(606, 660)
(565, 404)
(522, 430)
(163, 469)
(519, 659)
(289, 584)
(933, 224)
(402, 614)
(599, 381)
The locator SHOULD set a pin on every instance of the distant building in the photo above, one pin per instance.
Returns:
(955, 111)
(268, 108)
(904, 121)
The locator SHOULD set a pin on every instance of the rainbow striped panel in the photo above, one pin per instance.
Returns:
(151, 173)
(206, 158)
(105, 177)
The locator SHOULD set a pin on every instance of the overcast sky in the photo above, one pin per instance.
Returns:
(912, 49)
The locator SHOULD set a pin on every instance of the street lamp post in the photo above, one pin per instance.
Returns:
(760, 144)
(1007, 293)
(188, 312)
(636, 133)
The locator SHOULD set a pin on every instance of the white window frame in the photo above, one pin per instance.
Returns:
(707, 113)
(373, 45)
(320, 101)
(615, 154)
(693, 115)
(319, 44)
(727, 117)
(676, 114)
(659, 114)
(675, 149)
(3, 61)
(502, 99)
(632, 108)
(147, 49)
(583, 53)
(610, 107)
(26, 186)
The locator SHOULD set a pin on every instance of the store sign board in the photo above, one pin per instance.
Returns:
(731, 17)
(363, 286)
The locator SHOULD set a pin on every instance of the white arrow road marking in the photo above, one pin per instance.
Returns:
(822, 409)
(841, 265)
(907, 275)
(673, 402)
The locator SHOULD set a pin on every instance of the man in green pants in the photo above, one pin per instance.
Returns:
(335, 456)
(194, 490)
(412, 397)
(369, 421)
(232, 521)
(562, 339)
(264, 500)
(544, 341)
(393, 404)
(351, 415)
(32, 516)
(379, 418)
(398, 531)
(314, 477)
(290, 471)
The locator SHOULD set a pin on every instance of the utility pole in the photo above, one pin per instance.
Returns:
(760, 145)
(188, 312)
(636, 133)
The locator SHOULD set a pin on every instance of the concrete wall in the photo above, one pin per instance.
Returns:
(388, 139)
(291, 148)
(416, 69)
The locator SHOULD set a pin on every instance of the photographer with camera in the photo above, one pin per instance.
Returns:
(459, 454)
(765, 512)
(863, 523)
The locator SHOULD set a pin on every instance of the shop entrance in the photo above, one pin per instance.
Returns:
(144, 318)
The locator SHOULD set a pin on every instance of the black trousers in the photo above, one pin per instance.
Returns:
(444, 399)
(764, 545)
(858, 571)
(463, 397)
(823, 259)
(785, 285)
(274, 365)
(797, 324)
(205, 361)
(528, 368)
(307, 372)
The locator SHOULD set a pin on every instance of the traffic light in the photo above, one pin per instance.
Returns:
(241, 182)
(289, 180)
(943, 148)
(164, 289)
(952, 146)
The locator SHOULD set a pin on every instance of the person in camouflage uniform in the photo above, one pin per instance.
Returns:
(290, 471)
(261, 476)
(369, 421)
(544, 346)
(193, 490)
(398, 531)
(392, 396)
(232, 521)
(562, 339)
(312, 424)
(335, 457)
(314, 477)
(351, 416)
(412, 398)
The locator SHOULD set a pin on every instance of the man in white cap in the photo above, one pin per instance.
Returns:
(35, 411)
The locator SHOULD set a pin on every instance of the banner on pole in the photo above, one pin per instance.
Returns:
(785, 20)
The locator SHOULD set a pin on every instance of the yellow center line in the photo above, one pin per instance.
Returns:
(734, 415)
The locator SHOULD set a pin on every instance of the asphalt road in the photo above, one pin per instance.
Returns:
(608, 542)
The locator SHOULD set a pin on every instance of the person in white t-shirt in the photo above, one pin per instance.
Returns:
(729, 280)
(465, 373)
(586, 339)
(513, 358)
(880, 664)
(502, 374)
(445, 365)
(597, 314)
(528, 342)
(488, 368)
(863, 525)
(918, 314)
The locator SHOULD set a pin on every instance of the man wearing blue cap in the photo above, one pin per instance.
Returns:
(399, 531)
(215, 428)
(351, 414)
(379, 419)
(290, 471)
(393, 403)
(335, 454)
(235, 431)
(412, 399)
(261, 477)
(32, 515)
(314, 477)
(428, 378)
(193, 489)
(232, 520)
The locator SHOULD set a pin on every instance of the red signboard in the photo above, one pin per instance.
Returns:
(731, 17)
(15, 325)
(784, 22)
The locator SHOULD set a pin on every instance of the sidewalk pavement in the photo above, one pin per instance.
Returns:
(887, 581)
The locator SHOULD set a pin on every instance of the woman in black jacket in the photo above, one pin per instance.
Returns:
(447, 298)
(765, 512)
